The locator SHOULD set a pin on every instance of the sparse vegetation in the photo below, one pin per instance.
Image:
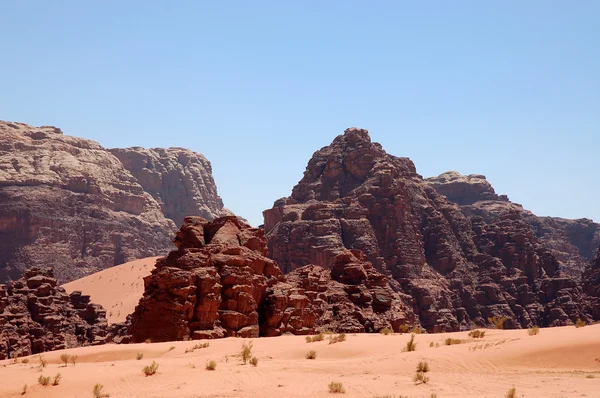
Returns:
(311, 355)
(56, 379)
(197, 347)
(403, 328)
(431, 344)
(254, 361)
(336, 388)
(497, 321)
(73, 359)
(420, 377)
(25, 360)
(512, 393)
(337, 339)
(477, 334)
(98, 391)
(147, 341)
(65, 358)
(24, 390)
(44, 381)
(416, 330)
(450, 341)
(246, 352)
(211, 365)
(423, 366)
(580, 323)
(139, 356)
(43, 361)
(590, 377)
(411, 345)
(387, 331)
(171, 348)
(150, 369)
(533, 331)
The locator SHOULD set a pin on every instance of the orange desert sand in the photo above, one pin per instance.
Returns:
(117, 289)
(559, 362)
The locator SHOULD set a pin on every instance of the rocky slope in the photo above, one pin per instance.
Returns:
(219, 283)
(178, 179)
(70, 204)
(460, 269)
(573, 242)
(37, 316)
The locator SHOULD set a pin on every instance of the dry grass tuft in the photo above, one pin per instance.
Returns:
(423, 366)
(337, 339)
(73, 359)
(580, 323)
(410, 345)
(197, 347)
(336, 388)
(43, 361)
(150, 369)
(171, 348)
(512, 393)
(590, 377)
(246, 352)
(211, 365)
(254, 361)
(139, 356)
(315, 338)
(98, 391)
(387, 331)
(56, 379)
(533, 331)
(403, 328)
(497, 321)
(65, 358)
(311, 355)
(450, 341)
(44, 381)
(477, 334)
(24, 390)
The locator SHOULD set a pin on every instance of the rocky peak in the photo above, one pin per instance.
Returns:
(464, 189)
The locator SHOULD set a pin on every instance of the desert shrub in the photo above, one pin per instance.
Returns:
(56, 379)
(477, 334)
(433, 395)
(44, 381)
(411, 345)
(211, 365)
(431, 344)
(420, 378)
(197, 347)
(450, 341)
(311, 355)
(315, 338)
(147, 341)
(139, 356)
(98, 391)
(337, 339)
(73, 359)
(387, 331)
(254, 361)
(43, 361)
(336, 388)
(497, 321)
(65, 358)
(246, 352)
(403, 328)
(416, 330)
(590, 377)
(580, 323)
(512, 393)
(423, 366)
(171, 348)
(24, 390)
(150, 369)
(25, 360)
(535, 330)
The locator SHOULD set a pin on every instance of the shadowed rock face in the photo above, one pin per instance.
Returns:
(180, 180)
(573, 242)
(458, 268)
(70, 204)
(36, 316)
(220, 283)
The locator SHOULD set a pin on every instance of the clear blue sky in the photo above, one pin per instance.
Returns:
(508, 89)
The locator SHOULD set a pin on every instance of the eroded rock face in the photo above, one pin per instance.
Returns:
(36, 316)
(460, 269)
(70, 204)
(573, 242)
(219, 283)
(178, 179)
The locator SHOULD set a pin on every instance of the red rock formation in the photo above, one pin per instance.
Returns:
(180, 180)
(573, 242)
(36, 316)
(219, 283)
(458, 269)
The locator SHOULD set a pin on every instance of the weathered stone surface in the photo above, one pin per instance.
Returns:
(219, 283)
(179, 179)
(36, 316)
(572, 242)
(70, 204)
(458, 268)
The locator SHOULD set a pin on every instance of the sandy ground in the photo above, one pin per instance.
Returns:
(559, 362)
(117, 289)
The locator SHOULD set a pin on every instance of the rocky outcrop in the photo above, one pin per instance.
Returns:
(219, 283)
(70, 204)
(572, 242)
(459, 269)
(178, 179)
(36, 316)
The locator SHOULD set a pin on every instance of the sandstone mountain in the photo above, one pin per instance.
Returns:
(573, 242)
(460, 269)
(36, 316)
(219, 283)
(70, 204)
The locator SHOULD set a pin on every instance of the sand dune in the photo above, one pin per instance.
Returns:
(559, 362)
(117, 289)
